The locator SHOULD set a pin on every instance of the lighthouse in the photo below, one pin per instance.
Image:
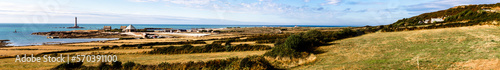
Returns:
(76, 24)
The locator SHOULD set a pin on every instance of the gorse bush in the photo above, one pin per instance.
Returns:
(129, 65)
(208, 48)
(105, 47)
(103, 66)
(117, 64)
(163, 43)
(66, 66)
(299, 45)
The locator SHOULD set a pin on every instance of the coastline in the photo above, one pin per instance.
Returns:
(94, 44)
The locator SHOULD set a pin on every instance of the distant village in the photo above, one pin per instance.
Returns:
(131, 28)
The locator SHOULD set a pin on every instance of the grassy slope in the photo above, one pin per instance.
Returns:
(433, 49)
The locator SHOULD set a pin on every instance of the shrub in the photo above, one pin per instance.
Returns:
(115, 46)
(207, 48)
(128, 65)
(294, 42)
(70, 65)
(117, 64)
(103, 66)
(228, 42)
(139, 46)
(105, 47)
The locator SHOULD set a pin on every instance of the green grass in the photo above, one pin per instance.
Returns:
(434, 49)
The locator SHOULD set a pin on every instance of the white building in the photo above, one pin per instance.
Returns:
(129, 28)
(433, 20)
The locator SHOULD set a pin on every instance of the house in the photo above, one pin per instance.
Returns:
(123, 27)
(490, 10)
(433, 20)
(106, 28)
(129, 28)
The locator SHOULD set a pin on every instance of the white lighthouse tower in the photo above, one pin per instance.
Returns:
(76, 24)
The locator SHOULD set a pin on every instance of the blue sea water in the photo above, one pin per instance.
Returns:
(23, 36)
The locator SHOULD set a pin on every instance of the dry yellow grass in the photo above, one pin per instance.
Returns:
(98, 44)
(22, 52)
(179, 45)
(114, 51)
(236, 43)
(480, 64)
(12, 51)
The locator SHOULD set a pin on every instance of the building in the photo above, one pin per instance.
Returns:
(123, 27)
(129, 28)
(433, 20)
(106, 28)
(490, 10)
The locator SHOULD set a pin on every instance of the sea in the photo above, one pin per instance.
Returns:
(23, 36)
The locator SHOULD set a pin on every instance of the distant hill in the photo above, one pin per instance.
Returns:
(458, 16)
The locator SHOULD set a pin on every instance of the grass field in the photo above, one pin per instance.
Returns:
(150, 59)
(474, 47)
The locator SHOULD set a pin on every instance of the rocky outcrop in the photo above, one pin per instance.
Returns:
(77, 34)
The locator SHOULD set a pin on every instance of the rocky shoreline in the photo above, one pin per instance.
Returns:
(81, 34)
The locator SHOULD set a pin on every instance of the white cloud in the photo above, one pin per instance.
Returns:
(333, 2)
(144, 0)
(190, 2)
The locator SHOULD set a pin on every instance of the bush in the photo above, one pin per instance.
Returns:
(117, 64)
(139, 46)
(115, 46)
(207, 48)
(103, 66)
(71, 65)
(295, 42)
(128, 65)
(105, 47)
(299, 45)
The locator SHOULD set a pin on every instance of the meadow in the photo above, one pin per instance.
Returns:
(473, 47)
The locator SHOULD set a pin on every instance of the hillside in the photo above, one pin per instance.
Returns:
(467, 15)
(472, 47)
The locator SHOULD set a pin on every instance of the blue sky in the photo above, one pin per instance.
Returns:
(233, 12)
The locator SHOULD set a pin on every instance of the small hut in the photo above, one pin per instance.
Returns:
(106, 28)
(123, 27)
(129, 28)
